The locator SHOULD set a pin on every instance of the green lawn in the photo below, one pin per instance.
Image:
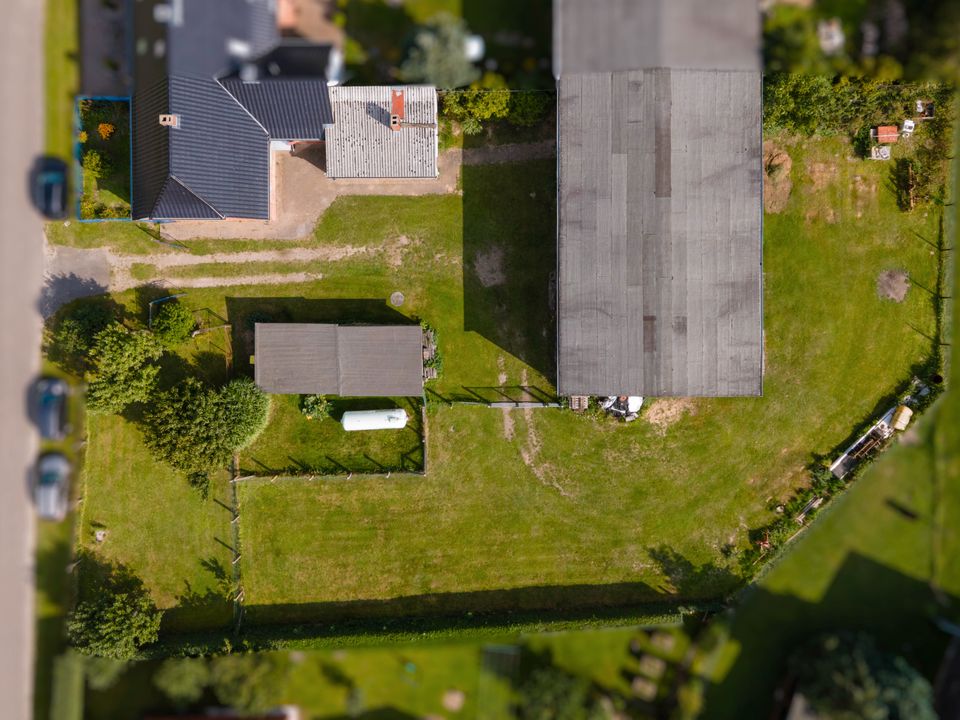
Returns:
(883, 560)
(545, 508)
(293, 444)
(62, 75)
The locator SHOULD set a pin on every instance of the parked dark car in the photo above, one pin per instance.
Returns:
(48, 187)
(51, 486)
(51, 407)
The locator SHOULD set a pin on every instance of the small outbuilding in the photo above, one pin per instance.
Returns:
(344, 360)
(886, 134)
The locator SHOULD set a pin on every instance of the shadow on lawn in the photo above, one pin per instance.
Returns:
(899, 611)
(472, 609)
(510, 258)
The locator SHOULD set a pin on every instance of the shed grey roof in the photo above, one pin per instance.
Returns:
(288, 109)
(361, 143)
(219, 153)
(660, 212)
(352, 361)
(610, 35)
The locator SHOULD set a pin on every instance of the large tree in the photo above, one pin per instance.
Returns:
(116, 617)
(551, 693)
(197, 428)
(438, 55)
(847, 677)
(125, 370)
(183, 680)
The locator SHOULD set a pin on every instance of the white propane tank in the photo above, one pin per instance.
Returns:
(394, 419)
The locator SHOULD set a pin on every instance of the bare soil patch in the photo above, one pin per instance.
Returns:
(664, 412)
(893, 285)
(488, 267)
(864, 192)
(822, 174)
(776, 178)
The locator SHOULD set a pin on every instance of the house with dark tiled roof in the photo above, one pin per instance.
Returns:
(217, 90)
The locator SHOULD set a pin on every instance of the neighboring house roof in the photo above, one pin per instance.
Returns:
(218, 157)
(660, 209)
(362, 144)
(288, 109)
(610, 35)
(351, 361)
(209, 38)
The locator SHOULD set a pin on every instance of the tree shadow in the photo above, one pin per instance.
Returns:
(510, 258)
(686, 579)
(864, 595)
(62, 289)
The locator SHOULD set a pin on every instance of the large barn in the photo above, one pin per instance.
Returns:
(660, 198)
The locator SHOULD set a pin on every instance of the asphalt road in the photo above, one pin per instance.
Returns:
(21, 278)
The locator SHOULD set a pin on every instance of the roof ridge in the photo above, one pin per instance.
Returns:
(186, 187)
(242, 106)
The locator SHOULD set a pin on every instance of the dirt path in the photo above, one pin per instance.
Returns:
(206, 282)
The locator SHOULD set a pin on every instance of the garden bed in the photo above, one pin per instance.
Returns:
(103, 149)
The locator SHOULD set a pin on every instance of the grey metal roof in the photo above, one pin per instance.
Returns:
(380, 360)
(219, 153)
(288, 109)
(361, 143)
(209, 38)
(660, 207)
(610, 35)
(352, 361)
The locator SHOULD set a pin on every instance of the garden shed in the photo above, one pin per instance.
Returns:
(345, 360)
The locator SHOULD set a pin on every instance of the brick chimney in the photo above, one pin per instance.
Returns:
(396, 109)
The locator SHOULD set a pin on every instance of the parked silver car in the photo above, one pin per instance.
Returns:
(51, 486)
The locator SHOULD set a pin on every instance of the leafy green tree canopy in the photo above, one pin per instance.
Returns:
(71, 338)
(250, 682)
(196, 428)
(550, 693)
(847, 677)
(437, 56)
(125, 369)
(183, 680)
(116, 618)
(173, 323)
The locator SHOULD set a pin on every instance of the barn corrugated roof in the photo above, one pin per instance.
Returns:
(659, 198)
(351, 361)
(361, 144)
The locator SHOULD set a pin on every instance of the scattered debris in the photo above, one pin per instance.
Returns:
(625, 407)
(100, 535)
(879, 152)
(893, 285)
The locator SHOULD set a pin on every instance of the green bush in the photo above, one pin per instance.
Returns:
(125, 370)
(173, 323)
(183, 680)
(314, 407)
(244, 410)
(528, 108)
(93, 164)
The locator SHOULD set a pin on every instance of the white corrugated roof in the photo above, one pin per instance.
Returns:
(361, 144)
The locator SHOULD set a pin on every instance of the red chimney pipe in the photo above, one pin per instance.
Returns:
(396, 109)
